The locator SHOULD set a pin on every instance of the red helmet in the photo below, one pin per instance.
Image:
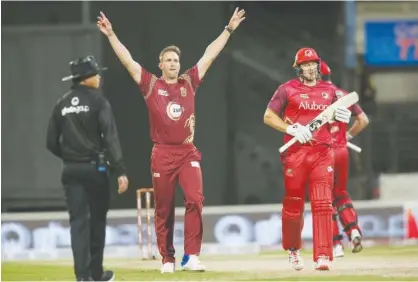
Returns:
(325, 69)
(305, 55)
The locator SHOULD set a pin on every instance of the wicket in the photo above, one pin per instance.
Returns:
(139, 193)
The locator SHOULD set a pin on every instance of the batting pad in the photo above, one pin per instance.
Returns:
(321, 205)
(346, 213)
(292, 222)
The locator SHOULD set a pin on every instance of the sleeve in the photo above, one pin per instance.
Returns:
(279, 100)
(192, 76)
(147, 82)
(356, 109)
(54, 134)
(110, 137)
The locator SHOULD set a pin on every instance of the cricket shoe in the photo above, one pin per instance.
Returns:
(338, 251)
(295, 260)
(168, 267)
(322, 264)
(192, 263)
(356, 241)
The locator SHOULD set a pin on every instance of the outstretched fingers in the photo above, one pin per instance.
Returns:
(241, 13)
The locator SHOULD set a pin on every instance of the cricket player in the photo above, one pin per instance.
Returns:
(171, 104)
(343, 206)
(309, 161)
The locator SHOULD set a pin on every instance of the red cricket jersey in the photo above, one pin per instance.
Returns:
(171, 107)
(339, 129)
(296, 102)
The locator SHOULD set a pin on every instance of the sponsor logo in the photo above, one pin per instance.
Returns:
(174, 110)
(229, 228)
(74, 108)
(315, 124)
(162, 92)
(304, 96)
(312, 106)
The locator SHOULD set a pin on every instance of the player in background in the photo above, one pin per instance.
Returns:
(308, 162)
(171, 105)
(343, 206)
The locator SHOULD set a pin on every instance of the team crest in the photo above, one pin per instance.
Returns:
(325, 95)
(339, 94)
(289, 172)
(183, 92)
(308, 53)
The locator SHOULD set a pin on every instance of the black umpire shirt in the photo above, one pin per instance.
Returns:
(81, 125)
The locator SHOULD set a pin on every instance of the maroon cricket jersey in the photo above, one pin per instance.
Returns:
(171, 107)
(339, 129)
(296, 102)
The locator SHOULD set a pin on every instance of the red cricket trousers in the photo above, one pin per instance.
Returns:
(343, 206)
(171, 164)
(312, 166)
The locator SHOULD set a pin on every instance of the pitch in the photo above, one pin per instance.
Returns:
(373, 264)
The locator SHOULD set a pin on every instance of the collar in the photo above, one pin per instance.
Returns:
(85, 88)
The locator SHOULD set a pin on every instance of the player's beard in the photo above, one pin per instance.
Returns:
(310, 75)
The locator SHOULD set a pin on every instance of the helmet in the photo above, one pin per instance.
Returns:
(325, 72)
(305, 55)
(325, 69)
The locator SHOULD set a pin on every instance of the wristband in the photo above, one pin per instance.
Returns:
(230, 30)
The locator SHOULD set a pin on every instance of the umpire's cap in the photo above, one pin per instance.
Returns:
(83, 68)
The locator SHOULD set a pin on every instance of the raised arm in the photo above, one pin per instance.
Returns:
(213, 50)
(120, 50)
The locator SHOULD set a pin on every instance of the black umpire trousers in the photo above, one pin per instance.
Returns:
(87, 195)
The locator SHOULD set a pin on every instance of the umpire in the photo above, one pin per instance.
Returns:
(82, 132)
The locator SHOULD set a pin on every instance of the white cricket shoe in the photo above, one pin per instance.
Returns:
(322, 263)
(192, 263)
(338, 251)
(356, 241)
(295, 260)
(168, 267)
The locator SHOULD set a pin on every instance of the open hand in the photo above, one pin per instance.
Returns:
(104, 24)
(123, 184)
(236, 19)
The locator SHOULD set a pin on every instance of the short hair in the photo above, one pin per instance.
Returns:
(171, 48)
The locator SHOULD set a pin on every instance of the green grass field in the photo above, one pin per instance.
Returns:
(373, 264)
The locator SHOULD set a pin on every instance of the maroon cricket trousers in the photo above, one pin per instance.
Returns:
(171, 164)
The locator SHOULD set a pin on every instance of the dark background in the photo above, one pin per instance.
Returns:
(240, 159)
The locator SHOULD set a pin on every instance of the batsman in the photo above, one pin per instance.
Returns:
(310, 160)
(343, 206)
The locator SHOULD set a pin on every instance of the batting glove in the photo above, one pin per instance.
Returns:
(348, 136)
(302, 133)
(343, 114)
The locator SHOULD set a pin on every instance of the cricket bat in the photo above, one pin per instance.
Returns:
(354, 147)
(324, 117)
